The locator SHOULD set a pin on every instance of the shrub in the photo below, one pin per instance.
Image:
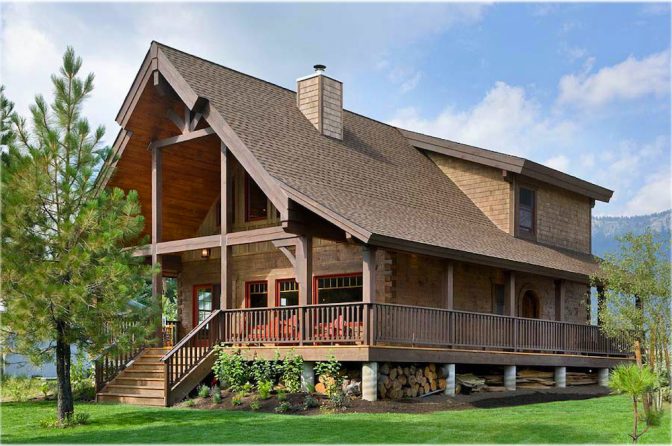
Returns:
(232, 370)
(19, 388)
(283, 407)
(309, 402)
(266, 370)
(339, 400)
(190, 403)
(82, 380)
(203, 391)
(255, 404)
(330, 371)
(264, 388)
(292, 369)
(282, 395)
(247, 388)
(76, 419)
(237, 399)
(216, 397)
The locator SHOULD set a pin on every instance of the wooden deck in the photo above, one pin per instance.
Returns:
(366, 332)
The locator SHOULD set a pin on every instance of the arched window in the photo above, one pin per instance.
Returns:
(530, 305)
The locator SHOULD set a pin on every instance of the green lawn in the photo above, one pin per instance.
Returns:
(600, 420)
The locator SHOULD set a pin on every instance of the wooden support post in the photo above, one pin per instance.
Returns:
(511, 294)
(560, 287)
(226, 219)
(448, 285)
(157, 282)
(368, 274)
(304, 277)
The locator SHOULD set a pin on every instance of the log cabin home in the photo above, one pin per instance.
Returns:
(290, 223)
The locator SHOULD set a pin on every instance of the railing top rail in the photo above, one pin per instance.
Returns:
(190, 335)
(484, 314)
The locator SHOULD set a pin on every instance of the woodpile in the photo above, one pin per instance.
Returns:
(525, 379)
(409, 381)
(581, 379)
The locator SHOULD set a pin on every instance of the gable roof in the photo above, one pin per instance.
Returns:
(373, 182)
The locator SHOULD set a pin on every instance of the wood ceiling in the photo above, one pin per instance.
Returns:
(190, 170)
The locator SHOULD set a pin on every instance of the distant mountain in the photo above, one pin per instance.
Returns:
(606, 229)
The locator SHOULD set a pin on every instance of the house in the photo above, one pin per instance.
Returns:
(291, 223)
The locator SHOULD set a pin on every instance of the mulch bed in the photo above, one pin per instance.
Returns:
(428, 404)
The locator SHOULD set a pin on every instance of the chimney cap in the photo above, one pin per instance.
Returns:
(319, 68)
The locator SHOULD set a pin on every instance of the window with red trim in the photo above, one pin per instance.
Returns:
(256, 204)
(256, 294)
(287, 293)
(338, 288)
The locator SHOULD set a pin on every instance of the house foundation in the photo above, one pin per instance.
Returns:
(370, 381)
(510, 377)
(560, 377)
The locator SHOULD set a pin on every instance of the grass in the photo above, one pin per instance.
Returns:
(600, 420)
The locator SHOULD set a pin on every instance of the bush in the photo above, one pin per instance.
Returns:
(283, 407)
(292, 369)
(339, 400)
(216, 397)
(82, 379)
(282, 395)
(203, 391)
(48, 388)
(266, 370)
(255, 404)
(76, 419)
(19, 388)
(232, 370)
(190, 403)
(310, 402)
(330, 372)
(237, 399)
(264, 388)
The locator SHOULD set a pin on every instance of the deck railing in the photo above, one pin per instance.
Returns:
(383, 324)
(109, 364)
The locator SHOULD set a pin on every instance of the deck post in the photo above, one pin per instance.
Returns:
(370, 381)
(304, 277)
(560, 377)
(308, 377)
(511, 295)
(603, 377)
(157, 279)
(226, 218)
(368, 274)
(448, 371)
(510, 377)
(560, 286)
(448, 285)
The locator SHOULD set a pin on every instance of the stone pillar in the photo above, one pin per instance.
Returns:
(370, 381)
(603, 377)
(449, 372)
(307, 377)
(510, 377)
(560, 377)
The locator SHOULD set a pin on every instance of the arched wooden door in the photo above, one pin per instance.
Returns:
(530, 305)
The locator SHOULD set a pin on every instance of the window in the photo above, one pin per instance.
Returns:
(498, 299)
(256, 203)
(256, 294)
(530, 305)
(526, 211)
(203, 302)
(338, 289)
(287, 293)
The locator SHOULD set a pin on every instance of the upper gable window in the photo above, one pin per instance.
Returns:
(256, 204)
(527, 203)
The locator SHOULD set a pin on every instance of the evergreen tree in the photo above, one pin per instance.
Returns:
(66, 278)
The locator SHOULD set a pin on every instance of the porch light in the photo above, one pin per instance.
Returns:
(205, 253)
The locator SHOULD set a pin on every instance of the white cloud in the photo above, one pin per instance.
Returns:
(630, 79)
(410, 83)
(559, 162)
(505, 119)
(654, 196)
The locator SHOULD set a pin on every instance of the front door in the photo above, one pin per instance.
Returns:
(204, 302)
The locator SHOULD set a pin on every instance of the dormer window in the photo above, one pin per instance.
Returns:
(527, 203)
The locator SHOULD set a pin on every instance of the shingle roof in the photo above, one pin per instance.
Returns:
(373, 178)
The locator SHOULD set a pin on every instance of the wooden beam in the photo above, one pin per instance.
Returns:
(181, 138)
(189, 244)
(511, 294)
(177, 120)
(257, 235)
(560, 287)
(157, 282)
(368, 274)
(145, 73)
(292, 259)
(448, 281)
(141, 251)
(106, 172)
(285, 242)
(304, 269)
(226, 219)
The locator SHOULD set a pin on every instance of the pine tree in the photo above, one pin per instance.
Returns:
(66, 278)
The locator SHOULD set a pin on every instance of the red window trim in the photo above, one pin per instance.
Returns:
(247, 290)
(277, 288)
(248, 178)
(194, 303)
(329, 276)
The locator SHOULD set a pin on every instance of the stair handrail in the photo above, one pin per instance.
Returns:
(190, 335)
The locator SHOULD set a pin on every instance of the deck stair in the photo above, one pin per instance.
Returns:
(142, 382)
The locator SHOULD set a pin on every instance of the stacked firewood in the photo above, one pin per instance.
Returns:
(403, 381)
(525, 379)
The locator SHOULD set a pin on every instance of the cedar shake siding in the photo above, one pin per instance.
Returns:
(484, 185)
(563, 219)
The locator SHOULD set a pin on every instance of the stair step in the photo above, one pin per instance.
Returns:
(133, 381)
(121, 389)
(142, 374)
(147, 366)
(130, 399)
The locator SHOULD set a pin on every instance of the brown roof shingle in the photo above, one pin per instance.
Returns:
(373, 178)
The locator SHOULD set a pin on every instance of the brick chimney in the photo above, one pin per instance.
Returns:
(320, 99)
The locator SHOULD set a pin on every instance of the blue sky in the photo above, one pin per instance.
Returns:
(584, 88)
